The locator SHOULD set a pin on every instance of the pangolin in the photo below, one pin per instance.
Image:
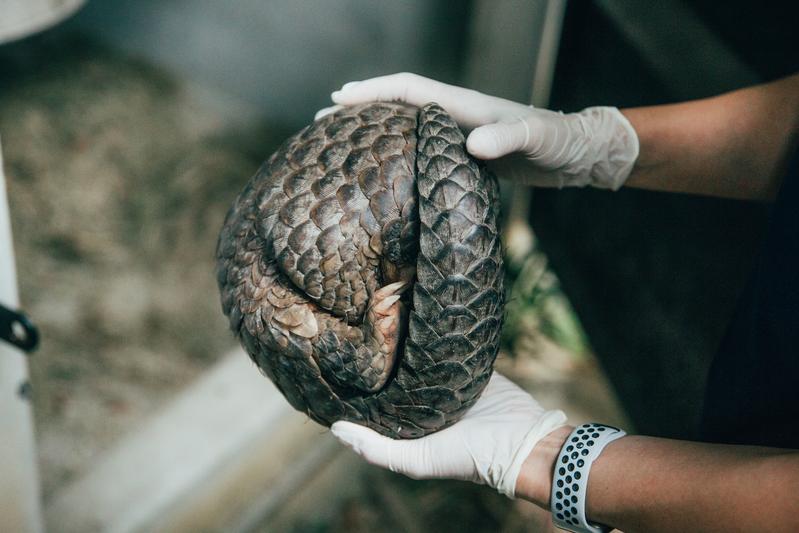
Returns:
(361, 269)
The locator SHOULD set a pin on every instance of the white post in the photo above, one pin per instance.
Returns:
(19, 482)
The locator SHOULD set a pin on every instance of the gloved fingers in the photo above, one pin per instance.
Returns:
(397, 455)
(499, 139)
(469, 108)
(547, 422)
(367, 443)
(498, 382)
(503, 402)
(403, 87)
(326, 111)
(525, 133)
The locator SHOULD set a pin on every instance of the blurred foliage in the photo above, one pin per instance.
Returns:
(536, 305)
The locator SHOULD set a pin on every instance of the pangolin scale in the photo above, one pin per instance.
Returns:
(361, 269)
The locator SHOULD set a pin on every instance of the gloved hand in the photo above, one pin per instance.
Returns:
(487, 446)
(597, 146)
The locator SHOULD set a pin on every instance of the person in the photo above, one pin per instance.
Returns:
(745, 476)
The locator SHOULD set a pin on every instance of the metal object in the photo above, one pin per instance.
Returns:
(16, 328)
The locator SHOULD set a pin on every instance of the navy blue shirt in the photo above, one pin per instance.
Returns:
(752, 394)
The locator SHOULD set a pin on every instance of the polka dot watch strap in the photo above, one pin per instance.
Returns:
(570, 482)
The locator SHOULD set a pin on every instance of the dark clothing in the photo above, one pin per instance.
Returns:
(752, 393)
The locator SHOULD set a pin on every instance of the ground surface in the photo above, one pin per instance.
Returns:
(118, 179)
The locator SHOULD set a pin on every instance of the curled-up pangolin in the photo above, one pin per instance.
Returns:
(361, 269)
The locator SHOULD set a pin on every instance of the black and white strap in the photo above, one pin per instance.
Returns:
(570, 481)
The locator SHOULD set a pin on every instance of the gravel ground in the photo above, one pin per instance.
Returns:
(118, 179)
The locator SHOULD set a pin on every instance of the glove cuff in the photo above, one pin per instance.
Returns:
(615, 145)
(550, 421)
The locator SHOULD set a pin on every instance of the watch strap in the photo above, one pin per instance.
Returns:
(570, 479)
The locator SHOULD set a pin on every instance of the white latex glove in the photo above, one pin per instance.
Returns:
(487, 446)
(597, 146)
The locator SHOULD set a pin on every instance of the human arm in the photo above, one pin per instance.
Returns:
(733, 145)
(509, 442)
(651, 484)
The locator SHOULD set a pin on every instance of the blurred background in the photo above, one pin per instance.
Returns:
(128, 129)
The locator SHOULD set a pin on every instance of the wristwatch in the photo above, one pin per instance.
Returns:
(570, 480)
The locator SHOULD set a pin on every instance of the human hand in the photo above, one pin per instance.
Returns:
(596, 146)
(488, 445)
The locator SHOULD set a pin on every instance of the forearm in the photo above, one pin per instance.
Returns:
(649, 484)
(734, 145)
